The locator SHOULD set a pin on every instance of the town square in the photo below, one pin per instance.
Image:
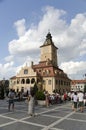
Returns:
(43, 65)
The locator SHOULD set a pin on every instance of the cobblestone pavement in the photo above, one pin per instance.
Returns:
(55, 117)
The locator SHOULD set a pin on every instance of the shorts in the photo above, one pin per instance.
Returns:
(75, 104)
(81, 104)
(11, 102)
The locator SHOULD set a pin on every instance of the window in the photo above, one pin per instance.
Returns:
(40, 70)
(17, 81)
(47, 72)
(56, 81)
(32, 80)
(61, 82)
(26, 71)
(27, 81)
(44, 82)
(23, 81)
(49, 82)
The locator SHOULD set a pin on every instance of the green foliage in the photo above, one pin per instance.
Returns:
(85, 88)
(40, 95)
(1, 92)
(35, 88)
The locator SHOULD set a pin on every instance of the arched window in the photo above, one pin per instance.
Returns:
(17, 81)
(32, 80)
(23, 81)
(27, 81)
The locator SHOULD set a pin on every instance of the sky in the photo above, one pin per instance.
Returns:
(24, 25)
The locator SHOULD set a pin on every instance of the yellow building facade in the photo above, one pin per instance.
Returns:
(46, 74)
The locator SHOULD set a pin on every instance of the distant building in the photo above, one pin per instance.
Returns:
(77, 85)
(46, 74)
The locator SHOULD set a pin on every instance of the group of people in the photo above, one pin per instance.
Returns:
(78, 100)
(30, 99)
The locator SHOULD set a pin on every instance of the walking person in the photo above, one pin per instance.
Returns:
(81, 100)
(31, 103)
(75, 100)
(11, 96)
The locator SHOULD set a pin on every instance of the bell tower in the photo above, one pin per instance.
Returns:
(49, 51)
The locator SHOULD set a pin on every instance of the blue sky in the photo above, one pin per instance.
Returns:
(22, 20)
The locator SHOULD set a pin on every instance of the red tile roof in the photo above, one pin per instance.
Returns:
(78, 81)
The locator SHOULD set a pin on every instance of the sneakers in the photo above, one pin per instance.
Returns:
(32, 115)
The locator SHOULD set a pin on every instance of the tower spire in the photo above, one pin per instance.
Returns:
(48, 40)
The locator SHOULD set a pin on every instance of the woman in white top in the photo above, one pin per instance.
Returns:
(75, 100)
(31, 104)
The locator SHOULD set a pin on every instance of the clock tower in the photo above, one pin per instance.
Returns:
(49, 51)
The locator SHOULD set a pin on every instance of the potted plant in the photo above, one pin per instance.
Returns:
(40, 96)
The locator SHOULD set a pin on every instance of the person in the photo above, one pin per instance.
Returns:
(11, 96)
(72, 94)
(75, 100)
(31, 103)
(81, 99)
(84, 99)
(47, 98)
(65, 97)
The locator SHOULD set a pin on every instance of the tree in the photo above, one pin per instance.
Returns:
(85, 88)
(35, 88)
(1, 92)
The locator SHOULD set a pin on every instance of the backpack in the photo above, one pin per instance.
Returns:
(11, 95)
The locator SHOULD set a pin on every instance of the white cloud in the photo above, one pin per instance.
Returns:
(72, 67)
(7, 70)
(9, 58)
(70, 38)
(75, 69)
(7, 65)
(20, 27)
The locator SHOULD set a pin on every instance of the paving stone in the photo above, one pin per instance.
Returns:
(71, 125)
(17, 114)
(56, 117)
(4, 120)
(20, 126)
(57, 113)
(43, 120)
(78, 116)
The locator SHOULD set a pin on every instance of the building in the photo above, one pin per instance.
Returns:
(77, 85)
(46, 74)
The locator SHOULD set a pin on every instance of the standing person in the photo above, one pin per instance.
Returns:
(47, 99)
(84, 99)
(11, 96)
(65, 97)
(72, 94)
(75, 100)
(81, 99)
(31, 103)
